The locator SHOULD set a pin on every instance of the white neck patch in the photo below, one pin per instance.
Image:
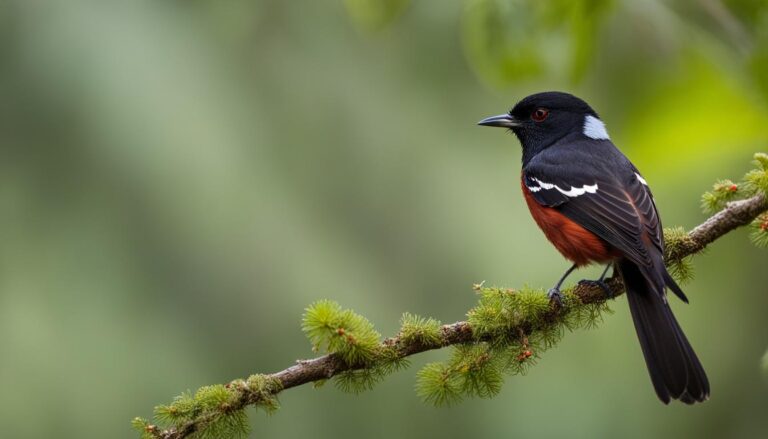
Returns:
(594, 128)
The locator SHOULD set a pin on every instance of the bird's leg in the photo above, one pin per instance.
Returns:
(600, 282)
(554, 293)
(602, 276)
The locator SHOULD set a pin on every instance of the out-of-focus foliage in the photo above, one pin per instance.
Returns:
(765, 363)
(511, 40)
(178, 177)
(373, 15)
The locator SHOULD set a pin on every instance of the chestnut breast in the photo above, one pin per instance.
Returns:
(572, 240)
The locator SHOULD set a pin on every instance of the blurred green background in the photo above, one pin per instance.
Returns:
(179, 179)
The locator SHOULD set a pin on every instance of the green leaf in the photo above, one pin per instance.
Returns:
(357, 381)
(479, 369)
(144, 428)
(340, 331)
(681, 270)
(321, 319)
(722, 192)
(438, 385)
(757, 179)
(759, 233)
(761, 160)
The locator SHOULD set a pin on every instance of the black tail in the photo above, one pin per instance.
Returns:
(675, 370)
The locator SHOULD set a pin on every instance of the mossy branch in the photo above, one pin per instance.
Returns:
(504, 333)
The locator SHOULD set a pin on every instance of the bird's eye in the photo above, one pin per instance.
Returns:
(539, 114)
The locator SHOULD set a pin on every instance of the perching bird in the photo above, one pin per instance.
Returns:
(594, 206)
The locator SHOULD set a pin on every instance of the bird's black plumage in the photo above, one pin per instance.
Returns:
(570, 164)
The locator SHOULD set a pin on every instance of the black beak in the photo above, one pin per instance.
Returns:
(502, 120)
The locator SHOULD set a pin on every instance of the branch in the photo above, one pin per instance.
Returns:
(504, 333)
(736, 214)
(262, 388)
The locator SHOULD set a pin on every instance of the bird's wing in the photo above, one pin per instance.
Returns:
(604, 195)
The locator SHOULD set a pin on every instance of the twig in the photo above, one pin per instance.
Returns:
(736, 214)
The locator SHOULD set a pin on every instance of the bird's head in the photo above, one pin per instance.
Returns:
(541, 119)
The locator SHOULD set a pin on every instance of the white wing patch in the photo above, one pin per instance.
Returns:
(594, 128)
(576, 191)
(641, 179)
(572, 192)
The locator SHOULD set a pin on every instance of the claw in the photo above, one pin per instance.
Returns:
(598, 283)
(555, 295)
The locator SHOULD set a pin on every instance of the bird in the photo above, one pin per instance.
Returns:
(594, 206)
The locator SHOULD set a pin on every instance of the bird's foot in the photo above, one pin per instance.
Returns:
(555, 295)
(598, 283)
